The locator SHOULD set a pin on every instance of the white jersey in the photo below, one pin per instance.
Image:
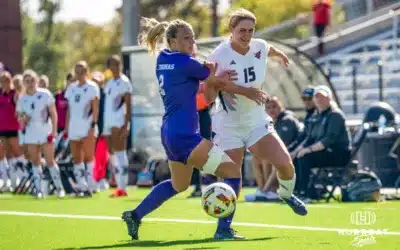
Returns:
(115, 108)
(251, 69)
(80, 107)
(36, 107)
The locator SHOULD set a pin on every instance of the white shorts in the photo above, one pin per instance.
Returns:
(118, 122)
(78, 133)
(241, 137)
(36, 134)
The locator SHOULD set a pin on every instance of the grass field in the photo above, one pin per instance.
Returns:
(94, 223)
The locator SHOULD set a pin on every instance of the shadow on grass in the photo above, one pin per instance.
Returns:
(156, 243)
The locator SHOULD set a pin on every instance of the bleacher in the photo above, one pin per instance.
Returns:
(360, 64)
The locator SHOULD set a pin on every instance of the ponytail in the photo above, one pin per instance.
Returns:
(152, 34)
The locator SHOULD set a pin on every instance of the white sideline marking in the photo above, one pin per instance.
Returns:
(244, 224)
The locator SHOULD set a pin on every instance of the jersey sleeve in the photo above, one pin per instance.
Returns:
(195, 69)
(50, 98)
(67, 93)
(128, 87)
(265, 45)
(95, 92)
(216, 57)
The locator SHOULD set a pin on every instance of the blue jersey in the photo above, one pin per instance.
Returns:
(179, 75)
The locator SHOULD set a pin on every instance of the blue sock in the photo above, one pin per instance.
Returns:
(158, 195)
(234, 183)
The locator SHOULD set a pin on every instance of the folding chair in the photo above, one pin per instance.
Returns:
(335, 177)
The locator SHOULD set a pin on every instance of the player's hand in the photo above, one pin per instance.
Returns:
(124, 132)
(24, 119)
(212, 66)
(303, 152)
(232, 75)
(284, 58)
(259, 96)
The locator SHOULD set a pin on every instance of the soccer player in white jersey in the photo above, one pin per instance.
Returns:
(244, 124)
(81, 124)
(37, 112)
(117, 119)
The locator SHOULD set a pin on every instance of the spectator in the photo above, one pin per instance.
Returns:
(328, 143)
(44, 82)
(288, 127)
(321, 18)
(307, 97)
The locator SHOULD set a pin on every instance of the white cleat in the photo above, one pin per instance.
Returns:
(61, 193)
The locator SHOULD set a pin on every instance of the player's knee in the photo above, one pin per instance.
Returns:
(215, 158)
(180, 186)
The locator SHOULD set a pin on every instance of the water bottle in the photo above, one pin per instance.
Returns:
(381, 124)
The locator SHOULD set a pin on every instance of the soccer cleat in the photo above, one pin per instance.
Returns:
(132, 224)
(296, 204)
(195, 194)
(118, 193)
(227, 234)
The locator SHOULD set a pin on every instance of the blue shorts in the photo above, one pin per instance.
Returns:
(179, 146)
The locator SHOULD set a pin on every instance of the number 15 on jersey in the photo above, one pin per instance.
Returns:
(161, 81)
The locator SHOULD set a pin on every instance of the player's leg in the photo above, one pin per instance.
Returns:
(88, 147)
(179, 182)
(48, 153)
(36, 157)
(3, 165)
(18, 160)
(265, 144)
(79, 166)
(118, 141)
(230, 141)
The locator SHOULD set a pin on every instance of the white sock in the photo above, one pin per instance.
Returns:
(286, 187)
(55, 176)
(37, 177)
(3, 171)
(12, 170)
(89, 176)
(122, 167)
(79, 172)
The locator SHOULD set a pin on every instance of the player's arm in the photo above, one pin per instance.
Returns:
(53, 118)
(95, 106)
(128, 114)
(274, 52)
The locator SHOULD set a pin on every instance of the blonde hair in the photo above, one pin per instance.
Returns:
(45, 80)
(6, 74)
(154, 32)
(238, 15)
(18, 82)
(30, 73)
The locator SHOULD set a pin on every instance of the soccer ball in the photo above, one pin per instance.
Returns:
(218, 200)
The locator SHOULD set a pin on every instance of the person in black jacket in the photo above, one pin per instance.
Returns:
(328, 144)
(288, 128)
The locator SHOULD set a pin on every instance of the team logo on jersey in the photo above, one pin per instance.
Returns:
(232, 62)
(258, 54)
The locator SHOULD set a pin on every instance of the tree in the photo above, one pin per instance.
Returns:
(272, 12)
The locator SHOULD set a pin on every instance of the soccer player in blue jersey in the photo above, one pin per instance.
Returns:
(179, 76)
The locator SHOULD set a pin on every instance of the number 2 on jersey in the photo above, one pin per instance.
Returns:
(161, 80)
(249, 72)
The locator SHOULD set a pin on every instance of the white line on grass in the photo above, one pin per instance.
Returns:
(244, 224)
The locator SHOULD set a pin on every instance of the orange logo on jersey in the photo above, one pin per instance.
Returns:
(258, 54)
